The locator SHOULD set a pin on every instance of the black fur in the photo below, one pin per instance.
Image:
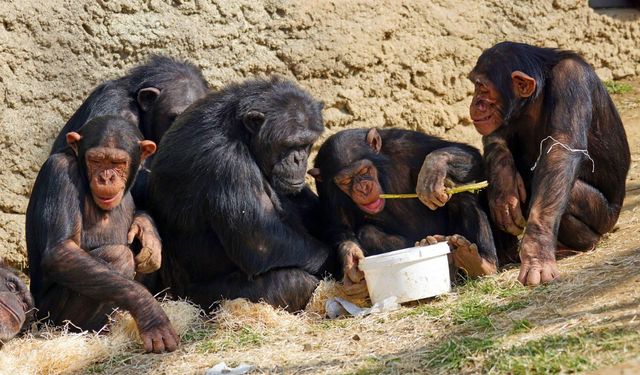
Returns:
(403, 221)
(227, 191)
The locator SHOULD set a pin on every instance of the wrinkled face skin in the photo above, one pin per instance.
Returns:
(107, 171)
(15, 302)
(486, 105)
(360, 182)
(290, 167)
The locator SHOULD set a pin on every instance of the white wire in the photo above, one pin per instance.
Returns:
(557, 142)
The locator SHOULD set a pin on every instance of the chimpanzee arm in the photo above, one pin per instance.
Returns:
(506, 192)
(459, 163)
(557, 169)
(245, 216)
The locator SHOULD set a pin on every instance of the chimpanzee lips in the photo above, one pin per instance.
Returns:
(482, 119)
(373, 207)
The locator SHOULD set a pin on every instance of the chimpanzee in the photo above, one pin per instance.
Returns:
(16, 304)
(227, 189)
(151, 95)
(80, 223)
(355, 166)
(555, 150)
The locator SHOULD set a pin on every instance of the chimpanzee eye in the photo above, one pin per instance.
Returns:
(11, 286)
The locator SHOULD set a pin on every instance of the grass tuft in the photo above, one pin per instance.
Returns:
(614, 87)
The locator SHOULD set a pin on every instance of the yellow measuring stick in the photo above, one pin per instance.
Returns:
(458, 189)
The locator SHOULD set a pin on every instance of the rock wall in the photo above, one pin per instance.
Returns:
(373, 63)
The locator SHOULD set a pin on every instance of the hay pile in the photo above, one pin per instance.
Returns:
(52, 350)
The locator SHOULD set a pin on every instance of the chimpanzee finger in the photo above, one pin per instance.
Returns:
(133, 232)
(533, 277)
(147, 343)
(546, 275)
(158, 344)
(354, 274)
(522, 190)
(171, 340)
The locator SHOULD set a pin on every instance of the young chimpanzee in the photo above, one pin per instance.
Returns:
(151, 95)
(228, 192)
(355, 166)
(555, 150)
(16, 304)
(80, 222)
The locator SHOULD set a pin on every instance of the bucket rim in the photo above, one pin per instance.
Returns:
(407, 255)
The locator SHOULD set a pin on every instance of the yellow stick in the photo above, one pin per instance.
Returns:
(454, 190)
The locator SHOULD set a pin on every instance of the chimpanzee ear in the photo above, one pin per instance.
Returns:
(315, 173)
(147, 97)
(147, 148)
(253, 120)
(523, 85)
(72, 140)
(374, 140)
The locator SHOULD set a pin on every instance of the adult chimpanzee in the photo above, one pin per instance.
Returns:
(553, 144)
(228, 193)
(80, 222)
(151, 95)
(355, 166)
(16, 304)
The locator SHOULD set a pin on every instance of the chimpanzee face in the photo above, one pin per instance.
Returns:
(108, 169)
(360, 182)
(15, 302)
(486, 105)
(282, 136)
(489, 106)
(290, 167)
(109, 151)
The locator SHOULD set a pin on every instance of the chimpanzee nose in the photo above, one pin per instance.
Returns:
(106, 177)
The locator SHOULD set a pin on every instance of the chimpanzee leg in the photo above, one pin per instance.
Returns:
(290, 288)
(472, 238)
(588, 216)
(86, 313)
(375, 241)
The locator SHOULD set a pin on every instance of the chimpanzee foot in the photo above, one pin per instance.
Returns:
(465, 255)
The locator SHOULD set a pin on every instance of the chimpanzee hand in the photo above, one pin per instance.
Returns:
(430, 187)
(353, 279)
(155, 329)
(150, 256)
(538, 262)
(506, 192)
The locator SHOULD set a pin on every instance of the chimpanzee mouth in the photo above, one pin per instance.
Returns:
(482, 119)
(11, 311)
(374, 207)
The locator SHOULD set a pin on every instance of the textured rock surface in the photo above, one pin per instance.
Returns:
(374, 63)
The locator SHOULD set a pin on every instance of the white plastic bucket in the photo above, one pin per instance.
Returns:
(408, 274)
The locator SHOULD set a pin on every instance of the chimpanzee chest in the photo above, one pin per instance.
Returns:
(100, 228)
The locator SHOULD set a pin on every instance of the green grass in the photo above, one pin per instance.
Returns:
(236, 340)
(575, 351)
(457, 352)
(614, 87)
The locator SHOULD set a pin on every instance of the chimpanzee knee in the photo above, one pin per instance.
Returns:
(575, 234)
